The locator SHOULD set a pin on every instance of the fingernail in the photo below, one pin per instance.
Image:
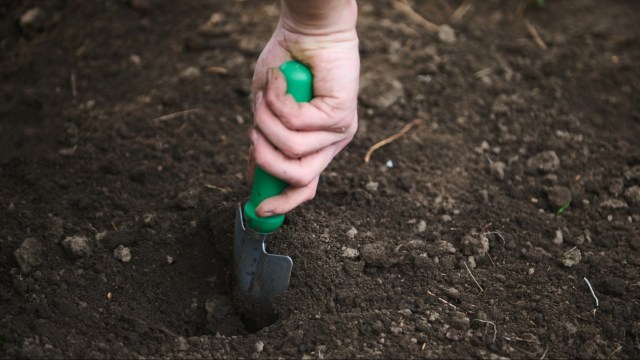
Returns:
(253, 136)
(264, 213)
(269, 73)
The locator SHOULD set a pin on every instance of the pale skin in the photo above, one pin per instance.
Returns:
(296, 141)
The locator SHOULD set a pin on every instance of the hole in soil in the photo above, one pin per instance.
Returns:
(229, 315)
(255, 324)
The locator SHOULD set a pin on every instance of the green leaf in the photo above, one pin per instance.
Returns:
(563, 208)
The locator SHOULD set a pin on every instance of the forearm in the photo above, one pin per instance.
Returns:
(319, 16)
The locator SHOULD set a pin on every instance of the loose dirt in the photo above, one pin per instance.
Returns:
(479, 233)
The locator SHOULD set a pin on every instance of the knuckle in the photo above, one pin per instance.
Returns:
(310, 194)
(290, 120)
(351, 132)
(293, 149)
(259, 156)
(301, 179)
(270, 97)
(259, 116)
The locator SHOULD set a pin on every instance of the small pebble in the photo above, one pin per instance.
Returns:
(350, 253)
(33, 20)
(452, 293)
(135, 59)
(372, 186)
(497, 169)
(29, 254)
(446, 34)
(572, 257)
(422, 226)
(122, 253)
(77, 245)
(632, 194)
(191, 72)
(547, 161)
(558, 238)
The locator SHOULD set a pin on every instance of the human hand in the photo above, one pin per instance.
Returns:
(296, 141)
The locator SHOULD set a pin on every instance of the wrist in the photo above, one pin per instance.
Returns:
(316, 17)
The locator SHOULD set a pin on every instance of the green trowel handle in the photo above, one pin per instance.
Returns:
(300, 86)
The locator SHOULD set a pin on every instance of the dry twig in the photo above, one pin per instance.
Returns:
(534, 33)
(495, 233)
(615, 351)
(510, 338)
(473, 277)
(480, 74)
(544, 354)
(405, 7)
(391, 138)
(221, 189)
(442, 300)
(175, 115)
(491, 259)
(217, 70)
(462, 11)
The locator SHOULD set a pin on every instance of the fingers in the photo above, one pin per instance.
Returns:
(323, 113)
(294, 143)
(289, 199)
(297, 172)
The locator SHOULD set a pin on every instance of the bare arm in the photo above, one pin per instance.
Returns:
(319, 16)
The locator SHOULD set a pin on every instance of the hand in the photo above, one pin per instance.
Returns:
(296, 141)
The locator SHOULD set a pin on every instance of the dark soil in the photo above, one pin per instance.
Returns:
(123, 131)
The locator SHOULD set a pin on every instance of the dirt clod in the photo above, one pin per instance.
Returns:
(572, 257)
(475, 244)
(632, 195)
(377, 254)
(545, 162)
(613, 286)
(613, 204)
(122, 253)
(29, 254)
(559, 197)
(77, 245)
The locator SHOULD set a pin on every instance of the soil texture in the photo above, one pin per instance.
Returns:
(492, 228)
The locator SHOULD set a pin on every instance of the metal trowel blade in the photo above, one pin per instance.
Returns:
(260, 277)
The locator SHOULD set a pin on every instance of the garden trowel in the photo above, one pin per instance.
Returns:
(261, 277)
